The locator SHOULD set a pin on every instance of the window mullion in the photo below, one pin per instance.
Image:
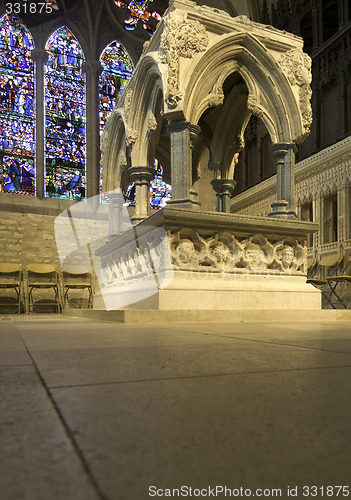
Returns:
(40, 57)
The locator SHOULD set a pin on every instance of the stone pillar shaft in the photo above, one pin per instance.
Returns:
(343, 213)
(181, 165)
(39, 56)
(92, 69)
(283, 207)
(142, 177)
(115, 214)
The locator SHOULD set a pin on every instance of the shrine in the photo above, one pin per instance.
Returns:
(199, 80)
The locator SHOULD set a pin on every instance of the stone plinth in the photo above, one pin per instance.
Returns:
(180, 259)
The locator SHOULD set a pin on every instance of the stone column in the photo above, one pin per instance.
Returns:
(92, 69)
(181, 165)
(224, 189)
(343, 213)
(283, 207)
(115, 201)
(40, 57)
(142, 177)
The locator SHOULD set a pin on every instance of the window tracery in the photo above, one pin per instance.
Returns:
(17, 121)
(65, 117)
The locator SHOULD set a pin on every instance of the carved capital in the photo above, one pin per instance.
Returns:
(141, 175)
(92, 66)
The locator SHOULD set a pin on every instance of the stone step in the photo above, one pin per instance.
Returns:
(195, 316)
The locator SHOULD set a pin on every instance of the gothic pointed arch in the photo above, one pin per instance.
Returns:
(17, 117)
(65, 108)
(269, 78)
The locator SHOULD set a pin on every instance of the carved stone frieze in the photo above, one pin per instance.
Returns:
(296, 66)
(228, 253)
(180, 38)
(104, 140)
(127, 103)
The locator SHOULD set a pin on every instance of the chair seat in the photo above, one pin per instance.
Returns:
(43, 285)
(317, 281)
(339, 278)
(9, 285)
(78, 285)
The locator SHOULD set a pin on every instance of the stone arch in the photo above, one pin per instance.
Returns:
(145, 97)
(114, 150)
(270, 95)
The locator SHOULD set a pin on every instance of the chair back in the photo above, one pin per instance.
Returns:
(76, 274)
(42, 273)
(10, 272)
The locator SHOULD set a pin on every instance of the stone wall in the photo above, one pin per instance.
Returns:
(27, 238)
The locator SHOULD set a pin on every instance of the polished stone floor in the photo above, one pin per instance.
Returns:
(98, 410)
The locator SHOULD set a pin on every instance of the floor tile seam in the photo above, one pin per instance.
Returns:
(23, 365)
(80, 455)
(271, 343)
(194, 377)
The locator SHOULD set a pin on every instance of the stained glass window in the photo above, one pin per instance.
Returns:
(139, 10)
(17, 121)
(117, 69)
(64, 117)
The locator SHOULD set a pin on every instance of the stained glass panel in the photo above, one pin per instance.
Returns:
(139, 10)
(17, 122)
(117, 69)
(64, 117)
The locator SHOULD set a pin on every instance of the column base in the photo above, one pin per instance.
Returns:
(279, 210)
(184, 203)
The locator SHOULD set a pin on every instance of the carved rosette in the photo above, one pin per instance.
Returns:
(289, 256)
(224, 251)
(296, 66)
(180, 38)
(258, 253)
(188, 249)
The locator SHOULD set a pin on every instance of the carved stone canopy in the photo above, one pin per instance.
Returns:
(184, 71)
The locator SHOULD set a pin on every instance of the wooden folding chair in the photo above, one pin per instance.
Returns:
(77, 277)
(340, 284)
(39, 277)
(11, 278)
(326, 267)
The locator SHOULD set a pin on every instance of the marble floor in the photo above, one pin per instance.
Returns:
(99, 410)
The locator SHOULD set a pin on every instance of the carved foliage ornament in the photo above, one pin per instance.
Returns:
(296, 66)
(180, 38)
